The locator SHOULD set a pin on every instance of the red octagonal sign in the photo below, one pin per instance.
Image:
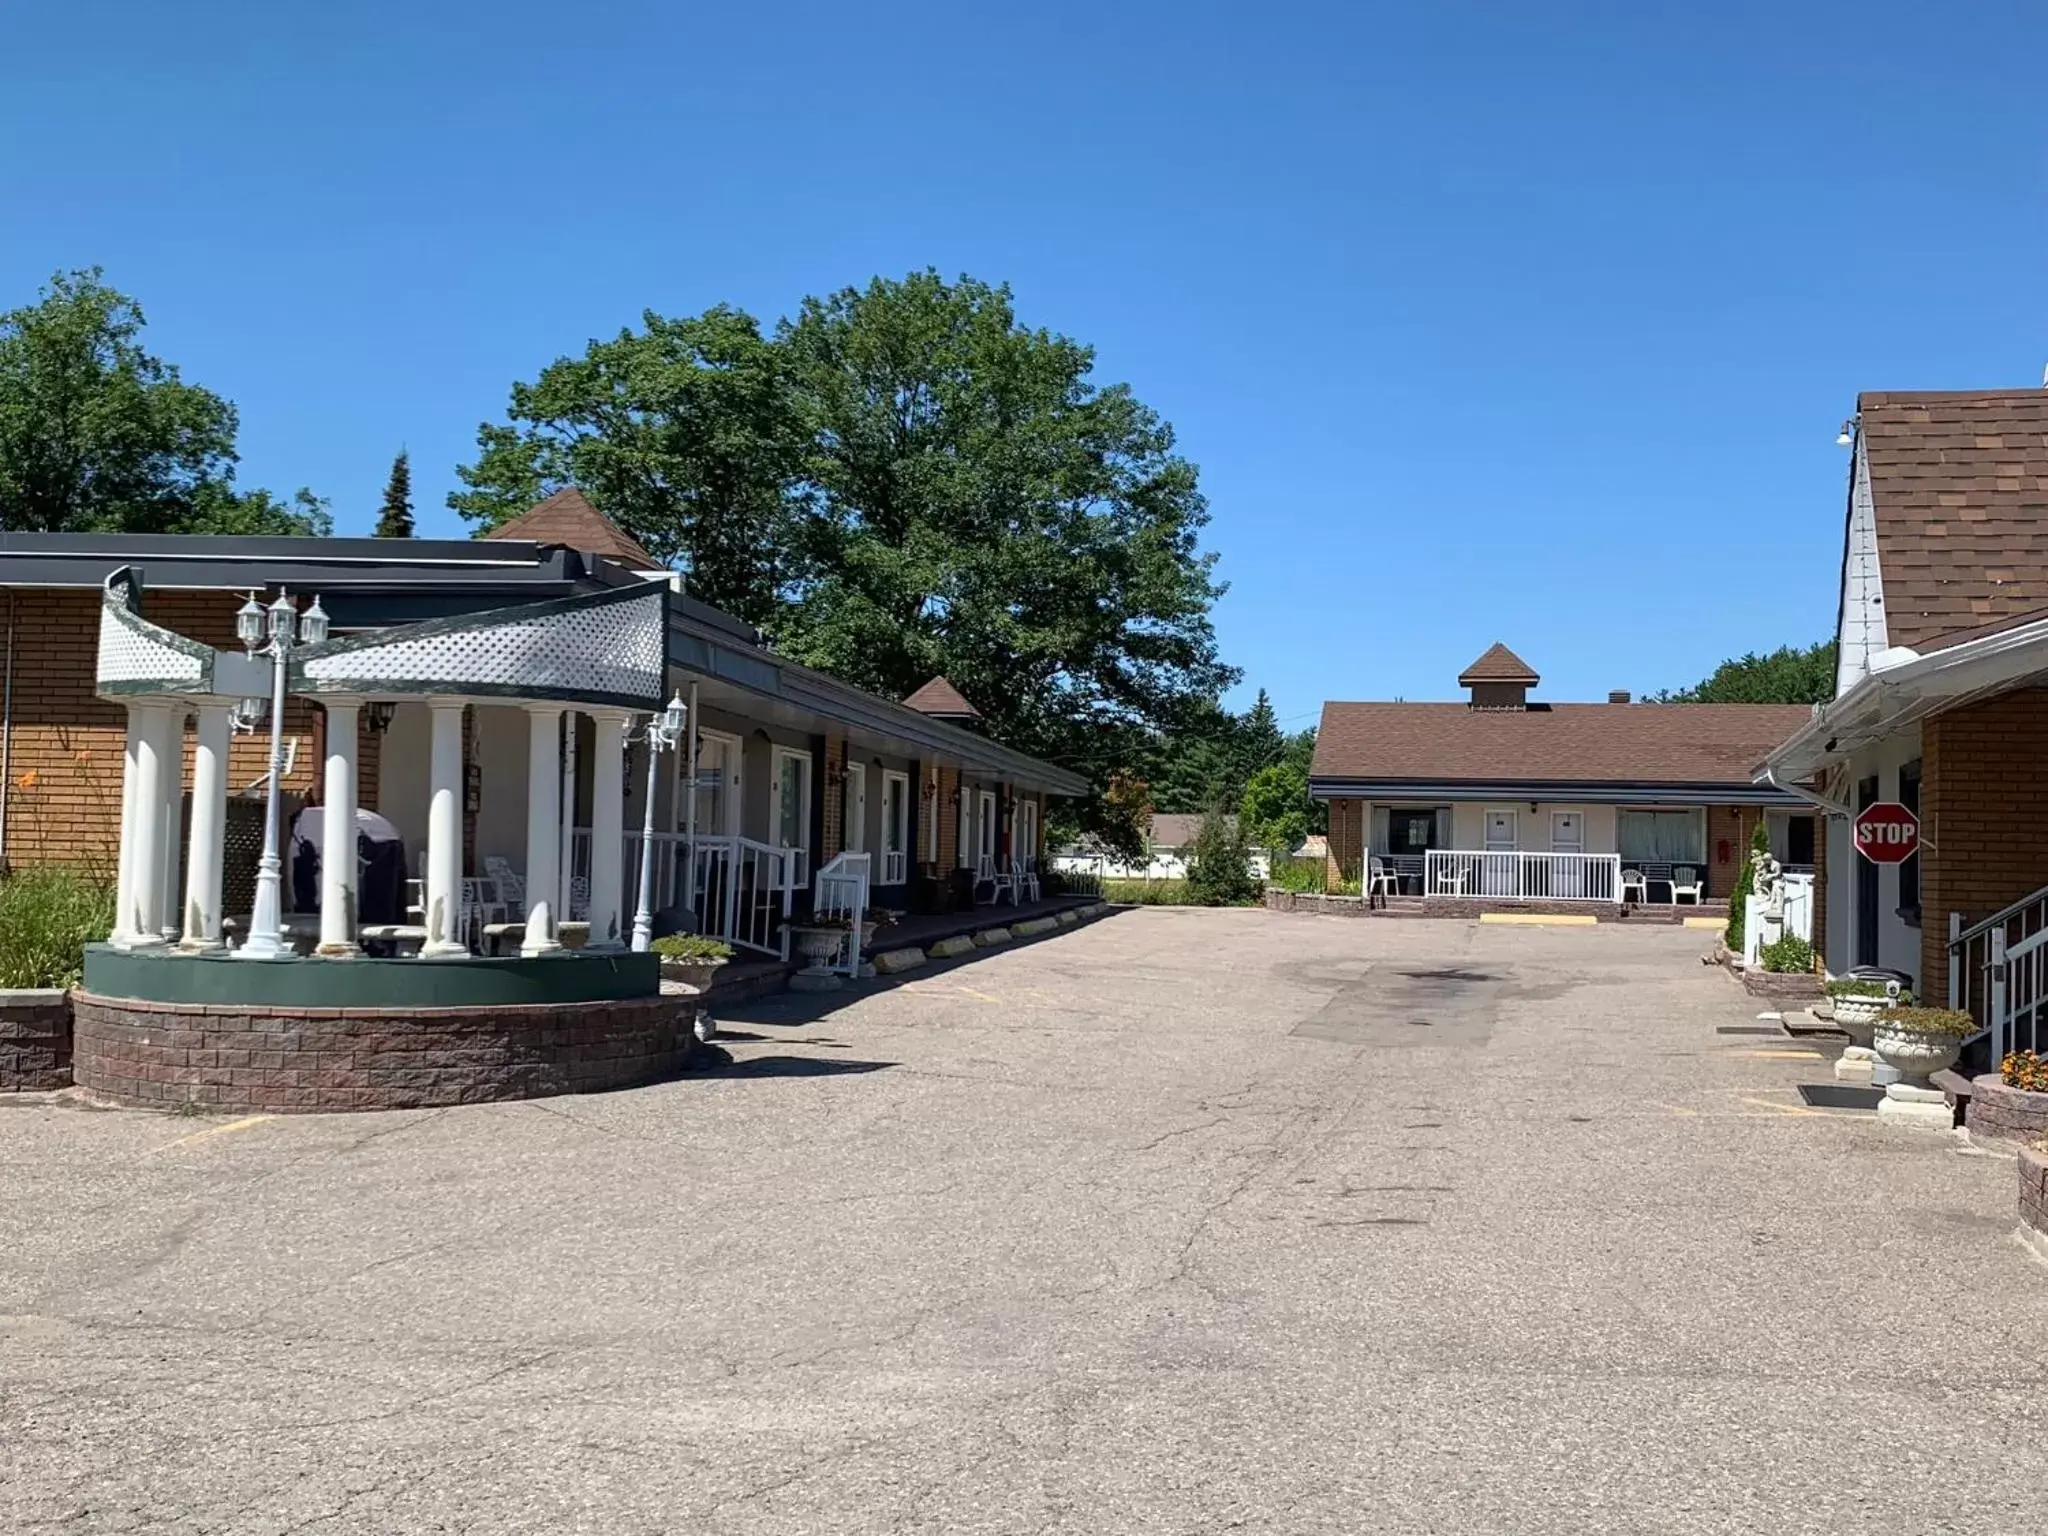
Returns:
(1887, 833)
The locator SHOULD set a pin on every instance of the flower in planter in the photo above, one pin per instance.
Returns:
(1864, 986)
(693, 947)
(2024, 1070)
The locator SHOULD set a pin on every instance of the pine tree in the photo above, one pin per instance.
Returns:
(395, 521)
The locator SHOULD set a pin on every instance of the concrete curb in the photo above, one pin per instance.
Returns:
(1068, 918)
(1034, 925)
(988, 938)
(890, 961)
(958, 944)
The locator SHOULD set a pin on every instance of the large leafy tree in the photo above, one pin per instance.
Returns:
(1787, 675)
(98, 435)
(685, 432)
(902, 480)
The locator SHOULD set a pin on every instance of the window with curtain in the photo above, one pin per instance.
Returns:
(1402, 830)
(1662, 837)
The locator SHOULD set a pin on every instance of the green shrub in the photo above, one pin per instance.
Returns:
(1220, 864)
(1303, 876)
(47, 917)
(1790, 954)
(1745, 884)
(1930, 1021)
(1147, 893)
(1863, 986)
(691, 946)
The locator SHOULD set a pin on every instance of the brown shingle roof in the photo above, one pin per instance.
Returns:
(1563, 743)
(567, 517)
(1172, 829)
(941, 698)
(1959, 482)
(1498, 665)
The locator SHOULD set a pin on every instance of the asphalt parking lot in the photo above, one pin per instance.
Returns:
(1177, 1222)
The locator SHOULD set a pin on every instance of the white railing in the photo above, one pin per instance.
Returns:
(1797, 917)
(895, 867)
(738, 889)
(1998, 973)
(841, 891)
(1522, 876)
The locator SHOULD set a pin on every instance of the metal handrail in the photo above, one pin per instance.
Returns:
(1997, 919)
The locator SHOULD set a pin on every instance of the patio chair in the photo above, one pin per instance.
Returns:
(1380, 880)
(1685, 881)
(1024, 881)
(1634, 887)
(510, 883)
(481, 906)
(1450, 880)
(997, 881)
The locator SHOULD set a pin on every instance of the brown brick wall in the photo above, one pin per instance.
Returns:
(64, 761)
(338, 1059)
(2034, 1192)
(1347, 840)
(1734, 825)
(1984, 816)
(832, 827)
(949, 819)
(1821, 823)
(35, 1041)
(2001, 1114)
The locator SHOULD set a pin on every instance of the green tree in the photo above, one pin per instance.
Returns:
(688, 434)
(97, 435)
(1745, 882)
(394, 520)
(902, 481)
(1275, 810)
(1124, 817)
(1219, 864)
(1786, 676)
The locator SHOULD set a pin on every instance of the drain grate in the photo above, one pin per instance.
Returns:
(1840, 1096)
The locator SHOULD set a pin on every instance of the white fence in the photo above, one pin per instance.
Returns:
(1998, 971)
(1523, 876)
(738, 889)
(842, 892)
(1798, 917)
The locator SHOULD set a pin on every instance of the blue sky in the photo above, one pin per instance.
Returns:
(1483, 320)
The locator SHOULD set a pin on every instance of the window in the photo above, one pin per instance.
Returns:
(1909, 871)
(791, 826)
(895, 828)
(1410, 831)
(1662, 837)
(1799, 842)
(853, 834)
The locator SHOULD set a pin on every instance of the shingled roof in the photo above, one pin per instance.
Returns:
(1499, 665)
(943, 701)
(1959, 486)
(568, 518)
(1676, 744)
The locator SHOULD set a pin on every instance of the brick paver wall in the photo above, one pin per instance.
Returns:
(1347, 842)
(1984, 815)
(2034, 1191)
(35, 1041)
(282, 1059)
(2001, 1114)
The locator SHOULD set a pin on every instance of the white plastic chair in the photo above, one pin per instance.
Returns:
(510, 883)
(1023, 881)
(1685, 881)
(997, 881)
(1380, 880)
(1450, 880)
(481, 906)
(1634, 887)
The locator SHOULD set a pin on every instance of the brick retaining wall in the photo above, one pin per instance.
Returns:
(2034, 1199)
(285, 1059)
(2005, 1115)
(35, 1040)
(1795, 984)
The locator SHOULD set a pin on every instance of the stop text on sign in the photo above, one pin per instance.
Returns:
(1887, 833)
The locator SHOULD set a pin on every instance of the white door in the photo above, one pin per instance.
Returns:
(718, 786)
(895, 828)
(792, 828)
(854, 832)
(1568, 877)
(1027, 832)
(1500, 871)
(985, 829)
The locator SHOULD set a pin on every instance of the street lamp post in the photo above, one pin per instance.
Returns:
(285, 628)
(663, 731)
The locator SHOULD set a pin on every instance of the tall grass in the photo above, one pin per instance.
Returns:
(1304, 877)
(47, 916)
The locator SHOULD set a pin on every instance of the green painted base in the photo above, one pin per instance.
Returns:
(165, 976)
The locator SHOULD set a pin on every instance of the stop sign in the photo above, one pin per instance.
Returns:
(1887, 833)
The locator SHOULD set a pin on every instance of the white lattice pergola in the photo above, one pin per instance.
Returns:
(605, 654)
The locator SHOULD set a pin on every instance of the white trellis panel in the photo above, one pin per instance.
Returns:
(604, 648)
(134, 651)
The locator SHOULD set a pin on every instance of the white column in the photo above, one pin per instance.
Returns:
(144, 832)
(338, 831)
(608, 829)
(565, 859)
(168, 923)
(543, 826)
(203, 861)
(443, 897)
(124, 883)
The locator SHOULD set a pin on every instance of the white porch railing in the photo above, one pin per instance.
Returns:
(895, 867)
(1798, 920)
(1523, 876)
(1998, 973)
(841, 890)
(738, 889)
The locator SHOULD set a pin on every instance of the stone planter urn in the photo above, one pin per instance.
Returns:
(1916, 1053)
(817, 945)
(1856, 1016)
(700, 974)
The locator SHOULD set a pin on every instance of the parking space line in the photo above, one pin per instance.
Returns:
(230, 1128)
